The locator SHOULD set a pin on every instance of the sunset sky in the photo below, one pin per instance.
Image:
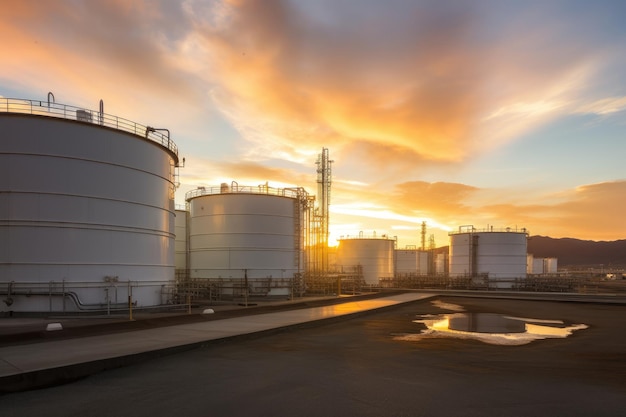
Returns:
(500, 113)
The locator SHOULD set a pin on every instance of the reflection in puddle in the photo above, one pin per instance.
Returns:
(485, 323)
(490, 328)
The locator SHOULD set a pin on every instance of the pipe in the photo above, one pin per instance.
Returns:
(73, 296)
(50, 95)
(101, 116)
(9, 301)
(154, 129)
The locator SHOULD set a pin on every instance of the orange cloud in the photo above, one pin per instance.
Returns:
(96, 49)
(594, 211)
(393, 91)
(419, 81)
(400, 209)
(275, 73)
(201, 171)
(444, 200)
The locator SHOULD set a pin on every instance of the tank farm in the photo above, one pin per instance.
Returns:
(88, 223)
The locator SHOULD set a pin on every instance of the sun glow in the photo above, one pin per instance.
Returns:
(387, 214)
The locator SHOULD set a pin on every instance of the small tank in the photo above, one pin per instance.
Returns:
(498, 254)
(256, 233)
(374, 255)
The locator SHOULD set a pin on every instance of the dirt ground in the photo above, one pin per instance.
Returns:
(355, 367)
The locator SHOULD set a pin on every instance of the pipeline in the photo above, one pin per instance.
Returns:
(71, 294)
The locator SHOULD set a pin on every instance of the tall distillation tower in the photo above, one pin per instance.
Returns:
(321, 216)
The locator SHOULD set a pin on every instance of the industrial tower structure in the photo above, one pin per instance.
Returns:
(321, 213)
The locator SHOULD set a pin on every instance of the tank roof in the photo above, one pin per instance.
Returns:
(489, 229)
(78, 114)
(362, 236)
(235, 188)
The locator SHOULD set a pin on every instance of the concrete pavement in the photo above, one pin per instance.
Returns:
(29, 366)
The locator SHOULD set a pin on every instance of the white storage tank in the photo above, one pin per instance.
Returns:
(374, 255)
(538, 266)
(86, 209)
(247, 232)
(542, 266)
(530, 259)
(499, 254)
(550, 266)
(180, 246)
(411, 261)
(441, 261)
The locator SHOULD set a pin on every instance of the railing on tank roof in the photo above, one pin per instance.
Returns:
(63, 111)
(235, 188)
(472, 229)
(362, 235)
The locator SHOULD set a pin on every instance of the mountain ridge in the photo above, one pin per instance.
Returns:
(577, 252)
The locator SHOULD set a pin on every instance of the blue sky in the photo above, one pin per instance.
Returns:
(500, 113)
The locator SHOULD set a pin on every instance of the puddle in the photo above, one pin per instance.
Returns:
(490, 328)
(485, 323)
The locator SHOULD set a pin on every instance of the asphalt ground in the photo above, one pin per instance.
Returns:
(355, 367)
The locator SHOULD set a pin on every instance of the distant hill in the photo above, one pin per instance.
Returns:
(577, 252)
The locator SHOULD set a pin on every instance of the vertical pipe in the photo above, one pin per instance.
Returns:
(245, 277)
(50, 95)
(130, 302)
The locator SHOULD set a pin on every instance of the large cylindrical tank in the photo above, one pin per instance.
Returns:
(246, 232)
(86, 210)
(180, 246)
(411, 261)
(407, 261)
(497, 254)
(374, 255)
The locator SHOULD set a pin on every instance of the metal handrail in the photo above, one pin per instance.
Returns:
(472, 229)
(297, 193)
(64, 111)
(373, 236)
